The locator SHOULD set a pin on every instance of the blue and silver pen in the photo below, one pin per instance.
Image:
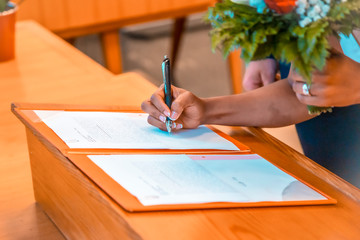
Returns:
(167, 88)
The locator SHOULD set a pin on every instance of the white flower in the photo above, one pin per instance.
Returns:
(304, 22)
(325, 9)
(317, 17)
(300, 10)
(311, 13)
(312, 10)
(317, 9)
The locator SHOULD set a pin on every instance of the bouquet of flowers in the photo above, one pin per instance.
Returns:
(292, 31)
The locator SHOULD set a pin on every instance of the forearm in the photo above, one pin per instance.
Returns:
(274, 105)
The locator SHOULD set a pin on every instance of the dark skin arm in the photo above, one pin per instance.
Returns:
(273, 105)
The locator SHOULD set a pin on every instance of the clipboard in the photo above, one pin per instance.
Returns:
(25, 112)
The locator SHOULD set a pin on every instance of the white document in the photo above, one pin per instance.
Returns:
(126, 131)
(184, 179)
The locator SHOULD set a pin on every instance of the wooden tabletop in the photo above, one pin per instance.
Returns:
(48, 70)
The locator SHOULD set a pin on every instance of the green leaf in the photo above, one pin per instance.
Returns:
(287, 52)
(261, 52)
(3, 4)
(314, 110)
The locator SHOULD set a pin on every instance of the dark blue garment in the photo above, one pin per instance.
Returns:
(332, 139)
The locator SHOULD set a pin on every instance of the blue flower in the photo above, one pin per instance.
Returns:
(229, 13)
(260, 5)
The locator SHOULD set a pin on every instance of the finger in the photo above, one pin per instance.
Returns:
(295, 77)
(252, 80)
(182, 101)
(315, 89)
(157, 99)
(267, 77)
(298, 88)
(156, 123)
(251, 85)
(312, 100)
(318, 72)
(320, 77)
(176, 126)
(149, 108)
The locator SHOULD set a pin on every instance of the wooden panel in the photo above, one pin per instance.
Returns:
(111, 10)
(184, 4)
(54, 14)
(131, 9)
(71, 200)
(31, 9)
(80, 17)
(80, 12)
(160, 5)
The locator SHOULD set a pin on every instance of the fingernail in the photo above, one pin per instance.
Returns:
(174, 125)
(179, 126)
(162, 118)
(174, 115)
(166, 113)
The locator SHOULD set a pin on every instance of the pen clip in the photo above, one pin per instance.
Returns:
(167, 81)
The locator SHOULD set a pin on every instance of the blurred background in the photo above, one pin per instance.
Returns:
(144, 45)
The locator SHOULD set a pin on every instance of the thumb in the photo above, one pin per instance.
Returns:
(180, 103)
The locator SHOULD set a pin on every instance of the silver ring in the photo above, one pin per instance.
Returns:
(306, 89)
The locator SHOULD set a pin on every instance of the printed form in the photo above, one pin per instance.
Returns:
(184, 179)
(80, 129)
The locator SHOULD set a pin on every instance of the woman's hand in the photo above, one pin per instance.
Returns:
(259, 73)
(337, 85)
(187, 110)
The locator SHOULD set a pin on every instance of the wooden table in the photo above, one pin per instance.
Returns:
(48, 70)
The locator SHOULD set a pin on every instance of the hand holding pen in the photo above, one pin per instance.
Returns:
(183, 109)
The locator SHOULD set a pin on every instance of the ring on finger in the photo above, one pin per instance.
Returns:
(306, 89)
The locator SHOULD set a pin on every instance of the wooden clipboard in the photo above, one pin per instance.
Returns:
(113, 189)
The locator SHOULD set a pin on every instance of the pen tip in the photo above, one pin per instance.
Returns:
(168, 126)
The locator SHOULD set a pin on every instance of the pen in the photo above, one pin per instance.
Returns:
(167, 88)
